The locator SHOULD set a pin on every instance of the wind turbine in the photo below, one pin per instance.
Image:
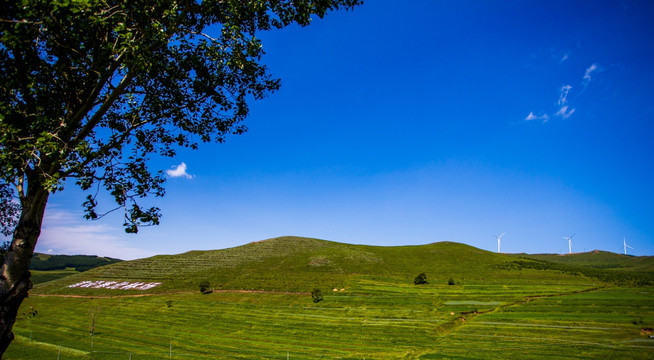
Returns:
(570, 242)
(624, 241)
(498, 241)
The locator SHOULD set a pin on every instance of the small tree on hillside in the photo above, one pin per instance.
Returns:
(451, 282)
(316, 295)
(93, 314)
(420, 279)
(205, 287)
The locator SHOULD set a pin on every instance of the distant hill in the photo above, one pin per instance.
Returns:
(298, 264)
(599, 260)
(46, 262)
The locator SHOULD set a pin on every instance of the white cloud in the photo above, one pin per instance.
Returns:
(564, 112)
(587, 76)
(589, 71)
(533, 116)
(179, 171)
(64, 233)
(563, 96)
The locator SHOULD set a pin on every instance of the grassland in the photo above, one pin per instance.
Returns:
(261, 308)
(600, 260)
(60, 262)
(40, 276)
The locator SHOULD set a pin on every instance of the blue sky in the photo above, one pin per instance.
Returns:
(422, 121)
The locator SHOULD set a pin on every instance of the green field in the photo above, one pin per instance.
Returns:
(261, 307)
(600, 260)
(39, 276)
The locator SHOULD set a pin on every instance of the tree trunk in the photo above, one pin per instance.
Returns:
(15, 278)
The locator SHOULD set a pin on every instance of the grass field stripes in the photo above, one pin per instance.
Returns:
(261, 307)
(264, 325)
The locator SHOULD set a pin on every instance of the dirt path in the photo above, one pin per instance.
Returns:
(466, 316)
(168, 293)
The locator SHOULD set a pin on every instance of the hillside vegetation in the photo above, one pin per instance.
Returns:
(296, 264)
(46, 262)
(599, 260)
(258, 302)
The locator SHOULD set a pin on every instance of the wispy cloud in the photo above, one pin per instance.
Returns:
(563, 96)
(179, 171)
(564, 108)
(65, 233)
(589, 71)
(565, 112)
(564, 58)
(588, 75)
(533, 116)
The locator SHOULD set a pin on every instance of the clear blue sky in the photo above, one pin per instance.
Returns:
(411, 122)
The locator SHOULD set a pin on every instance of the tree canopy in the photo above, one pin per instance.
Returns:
(91, 89)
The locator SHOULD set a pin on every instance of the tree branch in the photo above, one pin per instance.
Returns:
(97, 116)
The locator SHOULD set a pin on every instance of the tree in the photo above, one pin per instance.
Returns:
(420, 279)
(316, 295)
(451, 282)
(93, 314)
(92, 89)
(3, 251)
(205, 287)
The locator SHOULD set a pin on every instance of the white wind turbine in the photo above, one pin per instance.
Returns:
(498, 241)
(569, 242)
(624, 242)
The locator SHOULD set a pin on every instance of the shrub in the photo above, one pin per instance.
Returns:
(316, 295)
(451, 282)
(204, 287)
(420, 279)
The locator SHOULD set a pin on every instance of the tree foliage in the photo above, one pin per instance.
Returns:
(92, 89)
(420, 279)
(205, 287)
(316, 295)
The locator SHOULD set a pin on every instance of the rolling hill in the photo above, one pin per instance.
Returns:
(261, 307)
(45, 262)
(297, 264)
(600, 260)
(46, 267)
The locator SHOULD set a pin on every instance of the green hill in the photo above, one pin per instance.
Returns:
(261, 306)
(297, 264)
(599, 260)
(46, 262)
(46, 267)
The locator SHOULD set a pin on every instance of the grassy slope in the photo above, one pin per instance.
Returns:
(45, 262)
(39, 276)
(491, 313)
(300, 265)
(599, 259)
